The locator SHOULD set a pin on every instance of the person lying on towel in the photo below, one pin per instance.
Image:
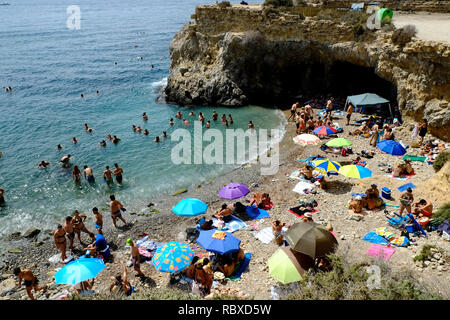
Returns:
(224, 213)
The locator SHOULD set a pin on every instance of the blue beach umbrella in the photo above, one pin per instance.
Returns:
(355, 171)
(173, 257)
(190, 207)
(391, 147)
(79, 270)
(229, 243)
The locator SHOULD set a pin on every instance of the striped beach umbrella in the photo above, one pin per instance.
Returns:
(324, 130)
(325, 165)
(173, 257)
(355, 171)
(339, 143)
(306, 139)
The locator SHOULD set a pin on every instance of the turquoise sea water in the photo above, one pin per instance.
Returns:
(49, 66)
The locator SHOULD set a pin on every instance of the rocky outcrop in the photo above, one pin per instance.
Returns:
(244, 54)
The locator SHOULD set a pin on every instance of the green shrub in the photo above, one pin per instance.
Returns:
(425, 253)
(443, 212)
(404, 35)
(350, 282)
(278, 3)
(225, 4)
(440, 161)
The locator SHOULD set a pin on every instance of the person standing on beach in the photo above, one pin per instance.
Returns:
(308, 110)
(60, 241)
(76, 175)
(329, 107)
(98, 220)
(293, 111)
(135, 256)
(31, 281)
(423, 128)
(78, 225)
(107, 176)
(88, 175)
(118, 173)
(349, 112)
(374, 137)
(68, 228)
(116, 207)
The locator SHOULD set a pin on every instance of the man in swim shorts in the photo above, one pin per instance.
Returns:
(68, 228)
(135, 256)
(30, 281)
(88, 175)
(107, 175)
(98, 220)
(118, 173)
(65, 161)
(116, 207)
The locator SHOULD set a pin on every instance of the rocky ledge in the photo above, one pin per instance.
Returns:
(240, 55)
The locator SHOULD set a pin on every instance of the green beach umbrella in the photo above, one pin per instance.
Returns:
(287, 266)
(385, 15)
(339, 143)
(311, 239)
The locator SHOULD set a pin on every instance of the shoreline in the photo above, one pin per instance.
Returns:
(256, 282)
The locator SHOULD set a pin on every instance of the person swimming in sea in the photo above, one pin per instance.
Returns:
(86, 127)
(179, 115)
(2, 198)
(115, 140)
(144, 116)
(59, 147)
(223, 118)
(171, 122)
(215, 115)
(75, 140)
(164, 134)
(156, 139)
(76, 175)
(88, 174)
(186, 122)
(230, 119)
(146, 132)
(102, 143)
(138, 129)
(201, 118)
(208, 124)
(118, 173)
(191, 114)
(82, 95)
(251, 125)
(108, 136)
(226, 123)
(65, 161)
(43, 164)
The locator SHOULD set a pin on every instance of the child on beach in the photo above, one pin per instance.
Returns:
(98, 220)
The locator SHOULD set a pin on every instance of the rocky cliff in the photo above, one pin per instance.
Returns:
(245, 54)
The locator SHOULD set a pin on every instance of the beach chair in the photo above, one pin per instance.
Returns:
(399, 221)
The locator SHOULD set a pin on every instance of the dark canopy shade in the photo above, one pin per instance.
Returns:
(366, 100)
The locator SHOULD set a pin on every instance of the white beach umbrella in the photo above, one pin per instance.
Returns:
(306, 139)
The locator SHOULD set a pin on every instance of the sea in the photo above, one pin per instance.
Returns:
(49, 66)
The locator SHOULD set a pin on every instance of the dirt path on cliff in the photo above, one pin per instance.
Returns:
(430, 26)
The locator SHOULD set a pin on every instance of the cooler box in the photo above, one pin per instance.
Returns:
(410, 228)
(386, 193)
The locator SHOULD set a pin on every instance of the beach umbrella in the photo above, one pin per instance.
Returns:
(79, 270)
(190, 207)
(288, 266)
(339, 143)
(234, 191)
(173, 257)
(220, 242)
(325, 165)
(355, 171)
(324, 130)
(311, 239)
(306, 139)
(391, 147)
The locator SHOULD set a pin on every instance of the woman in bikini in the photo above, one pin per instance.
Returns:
(76, 175)
(406, 199)
(78, 225)
(60, 241)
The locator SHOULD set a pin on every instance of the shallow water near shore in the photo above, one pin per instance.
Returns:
(49, 66)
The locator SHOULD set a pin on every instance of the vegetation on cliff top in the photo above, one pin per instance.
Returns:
(278, 3)
(404, 35)
(443, 212)
(440, 161)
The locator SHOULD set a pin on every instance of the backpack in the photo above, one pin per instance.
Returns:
(192, 234)
(344, 152)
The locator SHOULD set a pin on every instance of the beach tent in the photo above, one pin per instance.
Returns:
(367, 100)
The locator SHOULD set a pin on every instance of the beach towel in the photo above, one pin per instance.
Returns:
(199, 251)
(402, 178)
(354, 194)
(151, 245)
(240, 268)
(233, 225)
(406, 186)
(414, 158)
(255, 213)
(377, 251)
(306, 160)
(145, 253)
(295, 175)
(373, 237)
(302, 186)
(299, 212)
(269, 206)
(396, 241)
(265, 235)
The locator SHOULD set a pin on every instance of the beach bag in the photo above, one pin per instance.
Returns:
(196, 288)
(444, 227)
(344, 152)
(192, 234)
